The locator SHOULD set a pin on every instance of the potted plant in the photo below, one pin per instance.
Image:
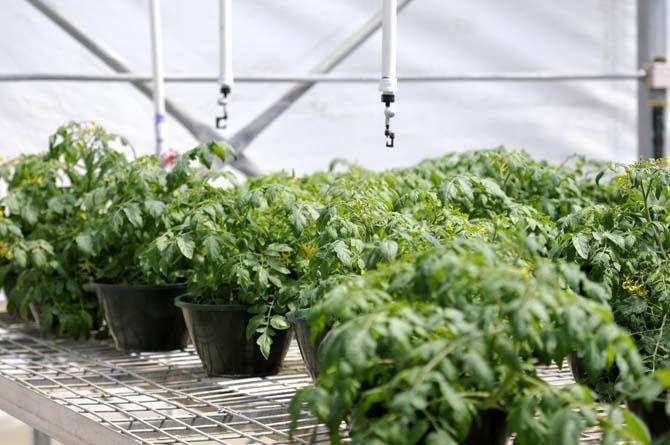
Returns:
(44, 200)
(136, 204)
(239, 242)
(624, 245)
(435, 350)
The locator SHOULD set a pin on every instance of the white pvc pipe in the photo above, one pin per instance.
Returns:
(158, 79)
(389, 81)
(226, 43)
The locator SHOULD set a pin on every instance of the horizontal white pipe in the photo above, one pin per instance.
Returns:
(336, 78)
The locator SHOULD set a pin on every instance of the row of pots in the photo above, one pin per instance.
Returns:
(148, 318)
(156, 318)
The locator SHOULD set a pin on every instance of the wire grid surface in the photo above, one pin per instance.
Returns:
(165, 398)
(155, 398)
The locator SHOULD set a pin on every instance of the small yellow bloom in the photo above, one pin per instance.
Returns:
(637, 289)
(292, 181)
(621, 180)
(83, 216)
(524, 272)
(421, 229)
(4, 251)
(309, 249)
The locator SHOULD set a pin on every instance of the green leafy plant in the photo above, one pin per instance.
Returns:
(424, 348)
(45, 202)
(134, 205)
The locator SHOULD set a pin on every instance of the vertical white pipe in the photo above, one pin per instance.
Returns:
(226, 43)
(158, 81)
(389, 81)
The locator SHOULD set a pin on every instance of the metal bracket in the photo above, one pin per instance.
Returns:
(223, 101)
(658, 75)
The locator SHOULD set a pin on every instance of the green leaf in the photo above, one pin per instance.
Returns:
(20, 257)
(154, 207)
(85, 243)
(279, 322)
(616, 239)
(636, 428)
(389, 249)
(564, 429)
(262, 277)
(342, 252)
(186, 246)
(39, 258)
(581, 243)
(265, 343)
(663, 376)
(212, 247)
(133, 214)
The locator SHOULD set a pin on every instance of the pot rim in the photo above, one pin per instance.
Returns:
(209, 307)
(138, 286)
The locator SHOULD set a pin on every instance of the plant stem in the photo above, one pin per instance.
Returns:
(659, 242)
(658, 342)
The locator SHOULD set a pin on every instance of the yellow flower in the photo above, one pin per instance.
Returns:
(637, 289)
(83, 216)
(309, 249)
(292, 181)
(421, 229)
(4, 251)
(524, 272)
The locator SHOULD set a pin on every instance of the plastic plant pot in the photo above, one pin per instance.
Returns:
(581, 374)
(653, 416)
(490, 427)
(143, 317)
(219, 335)
(303, 334)
(576, 364)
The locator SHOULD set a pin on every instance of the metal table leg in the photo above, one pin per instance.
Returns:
(39, 438)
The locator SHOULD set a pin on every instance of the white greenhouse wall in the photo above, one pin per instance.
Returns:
(550, 120)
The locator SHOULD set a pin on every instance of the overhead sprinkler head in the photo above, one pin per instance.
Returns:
(389, 113)
(222, 121)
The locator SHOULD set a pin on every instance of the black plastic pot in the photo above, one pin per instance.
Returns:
(654, 417)
(143, 317)
(581, 374)
(303, 333)
(489, 428)
(219, 335)
(576, 364)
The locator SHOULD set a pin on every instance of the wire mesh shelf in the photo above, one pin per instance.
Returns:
(82, 392)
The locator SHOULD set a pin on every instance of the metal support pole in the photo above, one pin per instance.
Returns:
(39, 438)
(388, 84)
(158, 84)
(226, 78)
(200, 131)
(652, 45)
(246, 135)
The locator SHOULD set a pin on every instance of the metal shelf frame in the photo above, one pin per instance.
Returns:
(87, 393)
